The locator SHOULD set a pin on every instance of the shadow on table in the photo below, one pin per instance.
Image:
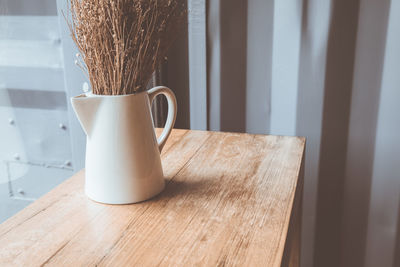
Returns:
(203, 188)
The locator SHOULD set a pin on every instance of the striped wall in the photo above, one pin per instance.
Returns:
(327, 70)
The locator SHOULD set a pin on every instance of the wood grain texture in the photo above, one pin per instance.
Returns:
(228, 201)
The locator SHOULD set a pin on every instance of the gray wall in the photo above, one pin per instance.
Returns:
(327, 70)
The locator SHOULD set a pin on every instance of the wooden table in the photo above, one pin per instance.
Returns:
(230, 199)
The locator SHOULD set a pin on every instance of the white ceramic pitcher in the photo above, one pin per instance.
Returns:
(123, 163)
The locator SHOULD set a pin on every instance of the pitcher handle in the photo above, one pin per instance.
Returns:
(172, 108)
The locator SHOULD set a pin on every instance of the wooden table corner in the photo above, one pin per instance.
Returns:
(231, 199)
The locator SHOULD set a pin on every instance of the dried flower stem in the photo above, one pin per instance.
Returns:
(122, 42)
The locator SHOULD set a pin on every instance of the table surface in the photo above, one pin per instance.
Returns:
(228, 200)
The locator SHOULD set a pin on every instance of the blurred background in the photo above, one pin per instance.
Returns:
(35, 149)
(328, 70)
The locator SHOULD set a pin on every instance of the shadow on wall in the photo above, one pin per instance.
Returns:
(227, 64)
(339, 73)
(29, 7)
(233, 27)
(176, 76)
(397, 248)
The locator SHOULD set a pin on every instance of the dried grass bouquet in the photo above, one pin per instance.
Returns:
(122, 42)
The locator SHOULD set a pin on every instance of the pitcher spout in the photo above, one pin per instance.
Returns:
(85, 107)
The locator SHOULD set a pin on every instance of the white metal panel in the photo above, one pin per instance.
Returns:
(11, 143)
(35, 135)
(214, 64)
(259, 65)
(32, 78)
(314, 46)
(36, 182)
(30, 41)
(197, 64)
(9, 205)
(31, 28)
(74, 79)
(23, 53)
(35, 152)
(285, 66)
